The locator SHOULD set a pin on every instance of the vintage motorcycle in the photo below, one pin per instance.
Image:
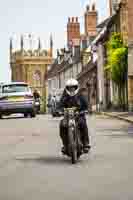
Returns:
(74, 148)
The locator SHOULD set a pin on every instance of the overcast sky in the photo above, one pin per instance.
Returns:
(39, 18)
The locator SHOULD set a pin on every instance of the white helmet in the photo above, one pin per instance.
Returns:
(72, 87)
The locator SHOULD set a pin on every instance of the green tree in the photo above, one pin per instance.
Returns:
(117, 65)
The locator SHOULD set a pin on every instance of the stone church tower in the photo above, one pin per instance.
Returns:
(30, 65)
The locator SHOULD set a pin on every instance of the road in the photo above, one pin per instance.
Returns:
(32, 167)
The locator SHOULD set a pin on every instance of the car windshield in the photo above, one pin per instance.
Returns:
(15, 88)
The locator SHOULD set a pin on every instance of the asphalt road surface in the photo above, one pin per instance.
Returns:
(33, 168)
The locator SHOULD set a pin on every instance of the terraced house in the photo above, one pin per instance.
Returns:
(70, 61)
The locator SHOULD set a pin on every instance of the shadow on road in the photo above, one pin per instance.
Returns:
(7, 118)
(48, 160)
(118, 136)
(126, 131)
(15, 117)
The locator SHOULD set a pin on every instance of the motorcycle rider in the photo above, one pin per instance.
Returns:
(72, 98)
(36, 94)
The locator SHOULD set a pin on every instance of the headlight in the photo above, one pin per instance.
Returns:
(71, 112)
(36, 103)
(71, 122)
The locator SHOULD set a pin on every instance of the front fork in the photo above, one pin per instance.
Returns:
(74, 136)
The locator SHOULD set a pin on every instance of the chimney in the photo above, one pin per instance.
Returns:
(73, 30)
(91, 17)
(93, 7)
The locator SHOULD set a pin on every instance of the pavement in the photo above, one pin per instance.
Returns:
(32, 166)
(126, 116)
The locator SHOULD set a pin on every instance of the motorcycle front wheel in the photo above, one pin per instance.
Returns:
(73, 146)
(74, 155)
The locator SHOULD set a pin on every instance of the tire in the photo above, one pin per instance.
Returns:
(73, 147)
(0, 116)
(74, 155)
(37, 110)
(32, 114)
(25, 115)
(53, 114)
(79, 147)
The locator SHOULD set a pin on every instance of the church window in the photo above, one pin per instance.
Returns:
(37, 78)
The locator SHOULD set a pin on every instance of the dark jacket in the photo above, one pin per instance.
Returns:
(36, 95)
(78, 101)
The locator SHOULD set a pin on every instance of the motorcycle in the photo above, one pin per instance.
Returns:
(37, 105)
(55, 110)
(74, 148)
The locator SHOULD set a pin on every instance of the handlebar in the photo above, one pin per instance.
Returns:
(76, 111)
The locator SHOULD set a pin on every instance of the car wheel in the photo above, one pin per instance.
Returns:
(0, 116)
(53, 114)
(26, 115)
(33, 114)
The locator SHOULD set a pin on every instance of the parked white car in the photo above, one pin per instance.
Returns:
(16, 97)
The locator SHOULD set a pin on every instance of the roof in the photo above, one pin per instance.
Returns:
(106, 21)
(14, 83)
(59, 67)
(105, 25)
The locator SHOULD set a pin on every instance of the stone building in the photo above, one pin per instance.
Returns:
(88, 79)
(124, 10)
(70, 61)
(113, 6)
(130, 54)
(64, 67)
(31, 65)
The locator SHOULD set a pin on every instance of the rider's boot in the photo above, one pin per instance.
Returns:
(86, 148)
(64, 148)
(86, 144)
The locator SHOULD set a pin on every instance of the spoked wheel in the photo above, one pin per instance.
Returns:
(25, 115)
(73, 146)
(76, 152)
(79, 148)
(74, 155)
(32, 114)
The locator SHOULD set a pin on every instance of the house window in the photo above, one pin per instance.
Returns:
(79, 68)
(71, 72)
(50, 84)
(62, 79)
(75, 71)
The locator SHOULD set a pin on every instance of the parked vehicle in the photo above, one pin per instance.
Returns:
(74, 147)
(55, 104)
(16, 97)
